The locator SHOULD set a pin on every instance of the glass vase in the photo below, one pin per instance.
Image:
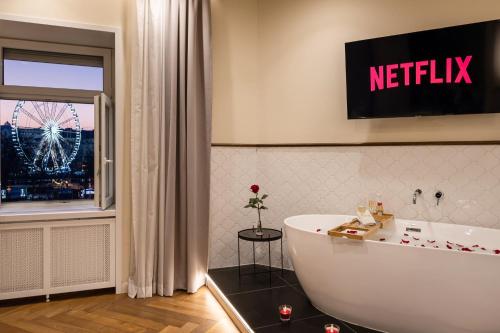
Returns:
(259, 231)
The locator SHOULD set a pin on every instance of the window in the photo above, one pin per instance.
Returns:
(53, 70)
(56, 123)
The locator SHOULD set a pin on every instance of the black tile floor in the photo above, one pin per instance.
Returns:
(257, 297)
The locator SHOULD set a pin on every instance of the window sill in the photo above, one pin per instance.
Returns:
(51, 211)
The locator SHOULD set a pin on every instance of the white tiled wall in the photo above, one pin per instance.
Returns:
(333, 180)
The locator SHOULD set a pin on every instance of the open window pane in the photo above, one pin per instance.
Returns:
(104, 151)
(107, 151)
(52, 75)
(47, 150)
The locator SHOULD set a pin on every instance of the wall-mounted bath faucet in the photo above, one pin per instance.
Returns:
(417, 192)
(439, 195)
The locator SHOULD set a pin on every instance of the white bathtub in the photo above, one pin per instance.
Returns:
(400, 288)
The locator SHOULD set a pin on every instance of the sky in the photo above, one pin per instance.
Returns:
(85, 113)
(41, 74)
(38, 74)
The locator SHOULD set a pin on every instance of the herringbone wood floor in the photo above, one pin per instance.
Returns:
(183, 312)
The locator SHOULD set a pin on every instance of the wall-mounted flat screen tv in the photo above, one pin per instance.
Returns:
(446, 71)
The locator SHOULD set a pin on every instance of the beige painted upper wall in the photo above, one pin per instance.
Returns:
(297, 70)
(235, 70)
(111, 13)
(98, 12)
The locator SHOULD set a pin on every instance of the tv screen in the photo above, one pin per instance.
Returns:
(447, 71)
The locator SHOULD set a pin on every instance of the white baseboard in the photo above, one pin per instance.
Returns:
(122, 288)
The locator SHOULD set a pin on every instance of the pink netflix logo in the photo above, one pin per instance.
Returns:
(389, 76)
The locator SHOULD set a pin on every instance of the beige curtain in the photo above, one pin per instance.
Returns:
(171, 118)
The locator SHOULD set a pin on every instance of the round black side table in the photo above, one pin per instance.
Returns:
(268, 236)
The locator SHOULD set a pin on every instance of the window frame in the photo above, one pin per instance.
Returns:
(104, 152)
(56, 94)
(50, 52)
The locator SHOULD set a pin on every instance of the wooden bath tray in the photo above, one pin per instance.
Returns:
(355, 230)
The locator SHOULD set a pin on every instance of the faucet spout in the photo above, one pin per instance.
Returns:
(415, 193)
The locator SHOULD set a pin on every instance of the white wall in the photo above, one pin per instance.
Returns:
(334, 180)
(279, 77)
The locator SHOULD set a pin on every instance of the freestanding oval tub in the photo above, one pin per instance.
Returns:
(445, 278)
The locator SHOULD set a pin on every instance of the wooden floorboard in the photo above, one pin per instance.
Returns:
(181, 313)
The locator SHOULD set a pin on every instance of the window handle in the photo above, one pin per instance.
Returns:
(108, 161)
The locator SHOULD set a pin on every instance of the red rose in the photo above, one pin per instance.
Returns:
(254, 188)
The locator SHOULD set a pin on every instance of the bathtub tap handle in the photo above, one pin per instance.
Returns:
(439, 195)
(417, 192)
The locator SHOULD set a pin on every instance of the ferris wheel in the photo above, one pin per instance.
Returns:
(46, 135)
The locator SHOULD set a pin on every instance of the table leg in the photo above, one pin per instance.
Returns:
(239, 266)
(281, 244)
(253, 244)
(269, 250)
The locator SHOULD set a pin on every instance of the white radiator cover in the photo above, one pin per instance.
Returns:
(21, 260)
(45, 258)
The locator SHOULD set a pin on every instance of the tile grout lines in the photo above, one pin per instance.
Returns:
(287, 284)
(303, 293)
(257, 290)
(295, 320)
(322, 314)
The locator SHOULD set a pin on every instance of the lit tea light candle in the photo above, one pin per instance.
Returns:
(332, 328)
(285, 312)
